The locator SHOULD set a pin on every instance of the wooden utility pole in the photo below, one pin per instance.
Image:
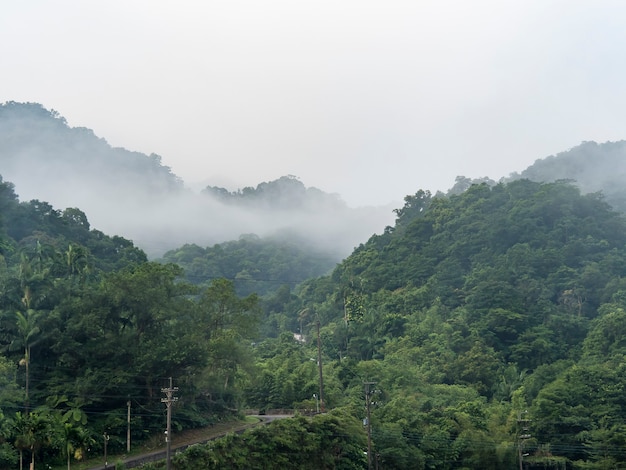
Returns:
(168, 400)
(128, 427)
(524, 434)
(319, 365)
(106, 441)
(369, 426)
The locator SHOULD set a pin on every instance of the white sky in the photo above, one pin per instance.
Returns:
(369, 99)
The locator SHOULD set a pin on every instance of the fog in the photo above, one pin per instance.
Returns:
(127, 193)
(192, 218)
(164, 219)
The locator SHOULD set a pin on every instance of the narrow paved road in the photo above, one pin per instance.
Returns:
(135, 461)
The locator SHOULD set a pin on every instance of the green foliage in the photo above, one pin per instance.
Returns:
(331, 441)
(92, 325)
(474, 308)
(580, 406)
(492, 288)
(255, 265)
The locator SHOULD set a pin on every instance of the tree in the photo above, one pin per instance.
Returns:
(221, 309)
(32, 432)
(226, 323)
(579, 405)
(28, 331)
(414, 206)
(20, 431)
(75, 441)
(330, 441)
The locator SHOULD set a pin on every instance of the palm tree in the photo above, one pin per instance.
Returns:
(21, 443)
(40, 434)
(69, 438)
(32, 431)
(77, 261)
(302, 316)
(28, 330)
(75, 441)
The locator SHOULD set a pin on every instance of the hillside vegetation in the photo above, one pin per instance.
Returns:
(488, 321)
(255, 265)
(480, 329)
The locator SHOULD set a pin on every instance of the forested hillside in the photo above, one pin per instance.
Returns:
(489, 321)
(285, 193)
(89, 327)
(255, 265)
(478, 327)
(482, 329)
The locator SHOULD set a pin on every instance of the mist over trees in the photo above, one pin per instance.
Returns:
(252, 263)
(591, 166)
(286, 193)
(135, 196)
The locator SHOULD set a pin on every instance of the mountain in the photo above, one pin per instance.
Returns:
(47, 156)
(591, 166)
(134, 195)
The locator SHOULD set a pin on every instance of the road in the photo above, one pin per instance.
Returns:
(137, 460)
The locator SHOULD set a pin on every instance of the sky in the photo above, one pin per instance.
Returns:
(372, 100)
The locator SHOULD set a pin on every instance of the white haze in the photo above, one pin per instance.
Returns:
(161, 223)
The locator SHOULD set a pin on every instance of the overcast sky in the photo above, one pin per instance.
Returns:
(369, 99)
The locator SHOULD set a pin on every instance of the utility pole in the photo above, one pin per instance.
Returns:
(319, 364)
(368, 402)
(106, 440)
(128, 427)
(168, 400)
(524, 434)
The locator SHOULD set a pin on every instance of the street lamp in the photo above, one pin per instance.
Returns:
(317, 403)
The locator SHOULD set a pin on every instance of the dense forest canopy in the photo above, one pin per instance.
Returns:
(88, 325)
(488, 321)
(253, 264)
(473, 312)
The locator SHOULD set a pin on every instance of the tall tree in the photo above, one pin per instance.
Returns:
(28, 334)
